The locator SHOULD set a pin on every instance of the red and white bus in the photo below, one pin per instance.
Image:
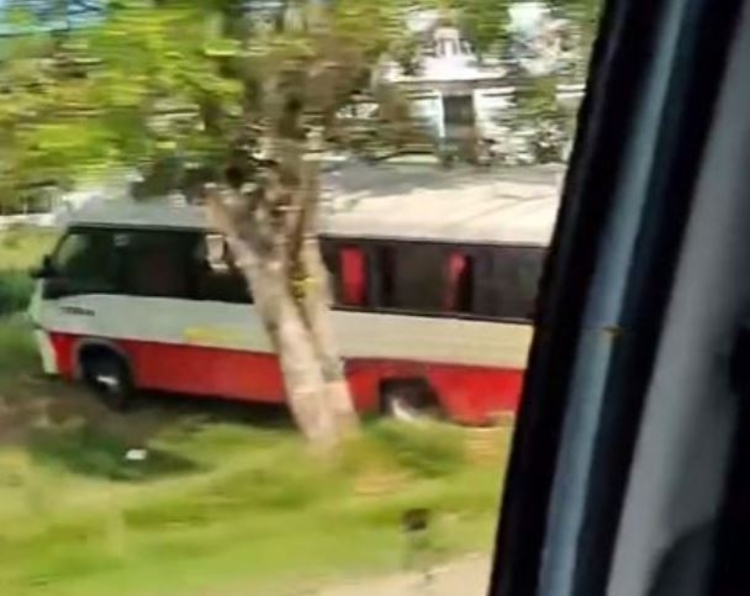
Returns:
(434, 291)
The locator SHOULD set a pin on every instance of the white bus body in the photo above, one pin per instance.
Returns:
(434, 287)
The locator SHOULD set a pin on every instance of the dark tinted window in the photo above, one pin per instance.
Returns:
(155, 263)
(86, 260)
(506, 281)
(217, 277)
(329, 250)
(499, 282)
(412, 277)
(461, 282)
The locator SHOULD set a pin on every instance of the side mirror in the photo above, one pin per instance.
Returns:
(45, 270)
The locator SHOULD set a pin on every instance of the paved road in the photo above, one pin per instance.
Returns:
(466, 577)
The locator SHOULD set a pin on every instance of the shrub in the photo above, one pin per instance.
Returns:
(16, 288)
(428, 450)
(17, 350)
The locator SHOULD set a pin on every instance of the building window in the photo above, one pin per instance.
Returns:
(458, 110)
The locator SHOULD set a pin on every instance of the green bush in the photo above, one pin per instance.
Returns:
(16, 288)
(17, 349)
(20, 249)
(429, 450)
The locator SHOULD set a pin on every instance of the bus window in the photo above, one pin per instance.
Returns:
(385, 268)
(218, 277)
(507, 279)
(460, 288)
(156, 263)
(329, 254)
(352, 276)
(86, 260)
(528, 275)
(413, 277)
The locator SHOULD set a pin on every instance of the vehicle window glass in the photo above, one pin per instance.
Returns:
(349, 270)
(217, 275)
(459, 295)
(506, 281)
(353, 276)
(329, 251)
(413, 277)
(86, 260)
(155, 263)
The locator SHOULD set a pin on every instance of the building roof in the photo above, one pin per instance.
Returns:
(517, 206)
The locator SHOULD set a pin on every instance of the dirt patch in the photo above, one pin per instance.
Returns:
(468, 577)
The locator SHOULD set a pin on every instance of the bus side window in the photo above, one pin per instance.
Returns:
(330, 253)
(460, 287)
(507, 279)
(412, 277)
(530, 264)
(86, 260)
(156, 263)
(218, 277)
(386, 259)
(352, 276)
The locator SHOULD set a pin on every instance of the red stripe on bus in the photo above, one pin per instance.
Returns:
(469, 394)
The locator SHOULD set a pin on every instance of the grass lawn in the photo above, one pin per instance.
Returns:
(228, 501)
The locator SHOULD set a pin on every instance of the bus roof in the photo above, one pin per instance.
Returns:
(513, 206)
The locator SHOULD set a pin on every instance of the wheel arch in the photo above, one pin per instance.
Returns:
(420, 385)
(103, 346)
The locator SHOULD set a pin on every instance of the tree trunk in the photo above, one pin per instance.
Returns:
(317, 309)
(273, 243)
(304, 375)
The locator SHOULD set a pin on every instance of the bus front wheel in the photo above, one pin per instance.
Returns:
(107, 375)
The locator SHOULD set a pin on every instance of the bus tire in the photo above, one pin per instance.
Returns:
(410, 400)
(108, 377)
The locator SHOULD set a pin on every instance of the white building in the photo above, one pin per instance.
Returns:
(456, 94)
(452, 89)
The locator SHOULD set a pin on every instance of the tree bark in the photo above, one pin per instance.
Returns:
(317, 305)
(316, 302)
(271, 233)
